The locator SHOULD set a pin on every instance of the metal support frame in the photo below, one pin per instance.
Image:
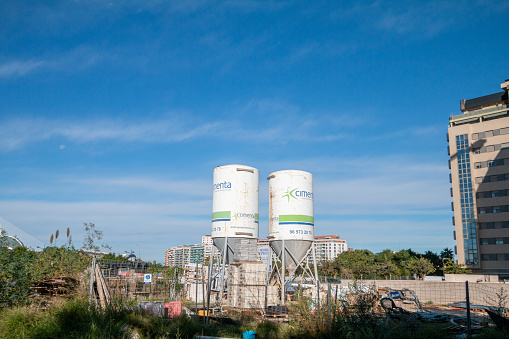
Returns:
(209, 278)
(281, 273)
(223, 268)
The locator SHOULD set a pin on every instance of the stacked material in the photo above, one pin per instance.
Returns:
(246, 286)
(245, 249)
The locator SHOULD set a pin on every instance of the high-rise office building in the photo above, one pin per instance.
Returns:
(479, 163)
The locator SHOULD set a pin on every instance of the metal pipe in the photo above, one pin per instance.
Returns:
(203, 293)
(469, 320)
(225, 250)
(267, 277)
(316, 278)
(196, 288)
(283, 282)
(209, 278)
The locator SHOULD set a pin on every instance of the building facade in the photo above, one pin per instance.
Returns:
(327, 248)
(185, 254)
(479, 163)
(178, 256)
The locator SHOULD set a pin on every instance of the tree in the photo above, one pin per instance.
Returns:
(421, 266)
(357, 263)
(328, 268)
(447, 253)
(385, 267)
(433, 258)
(452, 268)
(111, 257)
(92, 237)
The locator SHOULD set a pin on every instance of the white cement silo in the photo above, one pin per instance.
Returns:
(234, 206)
(291, 214)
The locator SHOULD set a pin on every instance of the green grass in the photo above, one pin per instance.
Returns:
(75, 319)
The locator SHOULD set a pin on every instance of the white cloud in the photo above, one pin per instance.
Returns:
(195, 188)
(154, 227)
(17, 133)
(20, 68)
(78, 58)
(277, 121)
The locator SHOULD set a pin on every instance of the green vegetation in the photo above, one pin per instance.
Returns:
(21, 268)
(76, 319)
(92, 236)
(364, 264)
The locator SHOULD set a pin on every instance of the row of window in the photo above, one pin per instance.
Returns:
(493, 209)
(492, 178)
(492, 194)
(492, 163)
(467, 204)
(490, 133)
(495, 257)
(493, 225)
(491, 148)
(494, 241)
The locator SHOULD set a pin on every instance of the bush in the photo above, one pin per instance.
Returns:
(20, 268)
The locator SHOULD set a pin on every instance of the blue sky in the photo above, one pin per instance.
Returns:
(117, 112)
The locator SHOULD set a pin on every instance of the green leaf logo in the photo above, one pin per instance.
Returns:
(289, 194)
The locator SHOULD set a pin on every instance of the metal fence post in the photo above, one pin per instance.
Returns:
(469, 321)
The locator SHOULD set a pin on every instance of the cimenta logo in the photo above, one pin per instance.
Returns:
(296, 194)
(244, 215)
(222, 185)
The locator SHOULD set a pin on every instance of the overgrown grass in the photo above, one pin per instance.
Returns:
(75, 319)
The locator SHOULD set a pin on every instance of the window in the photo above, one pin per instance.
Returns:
(496, 132)
(489, 134)
(475, 136)
(482, 135)
(504, 130)
(478, 180)
(488, 241)
(489, 257)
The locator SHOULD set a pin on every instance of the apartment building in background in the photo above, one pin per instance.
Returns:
(183, 255)
(479, 163)
(178, 256)
(327, 247)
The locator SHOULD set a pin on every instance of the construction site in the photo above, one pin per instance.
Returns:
(239, 283)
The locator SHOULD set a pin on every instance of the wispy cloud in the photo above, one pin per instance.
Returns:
(20, 68)
(17, 133)
(277, 121)
(79, 58)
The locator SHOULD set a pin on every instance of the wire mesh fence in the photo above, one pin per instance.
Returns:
(134, 287)
(442, 297)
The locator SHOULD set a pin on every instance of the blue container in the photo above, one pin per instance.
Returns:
(249, 335)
